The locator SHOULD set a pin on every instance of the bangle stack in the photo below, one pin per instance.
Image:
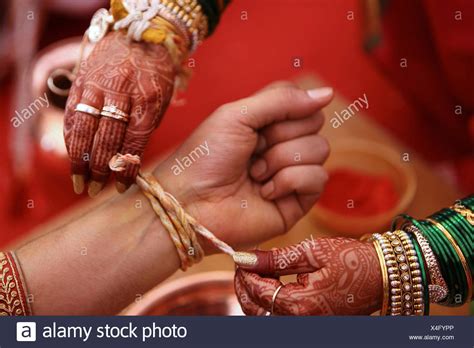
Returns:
(446, 242)
(430, 260)
(142, 20)
(179, 25)
(418, 299)
(403, 288)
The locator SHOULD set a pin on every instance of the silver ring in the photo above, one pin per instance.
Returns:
(113, 112)
(87, 109)
(275, 294)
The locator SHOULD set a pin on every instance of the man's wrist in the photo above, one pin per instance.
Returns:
(187, 196)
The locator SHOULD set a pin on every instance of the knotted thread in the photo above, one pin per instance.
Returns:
(181, 226)
(140, 13)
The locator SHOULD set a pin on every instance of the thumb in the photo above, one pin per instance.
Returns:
(280, 104)
(297, 258)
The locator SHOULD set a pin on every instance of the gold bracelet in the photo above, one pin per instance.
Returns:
(161, 31)
(399, 306)
(191, 14)
(458, 252)
(383, 268)
(417, 298)
(395, 291)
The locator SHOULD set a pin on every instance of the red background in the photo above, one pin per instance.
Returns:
(241, 57)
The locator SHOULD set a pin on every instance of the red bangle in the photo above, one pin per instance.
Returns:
(13, 293)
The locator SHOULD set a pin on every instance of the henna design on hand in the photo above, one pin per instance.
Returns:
(135, 77)
(336, 276)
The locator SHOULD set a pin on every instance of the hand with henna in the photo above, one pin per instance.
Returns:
(135, 77)
(335, 276)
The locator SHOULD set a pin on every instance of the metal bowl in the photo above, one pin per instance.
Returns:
(208, 293)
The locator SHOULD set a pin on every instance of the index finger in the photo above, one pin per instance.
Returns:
(280, 104)
(297, 258)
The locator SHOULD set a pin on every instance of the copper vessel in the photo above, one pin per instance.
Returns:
(207, 293)
(54, 66)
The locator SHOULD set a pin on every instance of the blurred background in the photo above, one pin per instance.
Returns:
(413, 60)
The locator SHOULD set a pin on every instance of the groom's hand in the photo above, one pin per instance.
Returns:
(254, 167)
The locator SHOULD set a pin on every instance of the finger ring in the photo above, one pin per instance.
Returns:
(87, 109)
(113, 112)
(275, 294)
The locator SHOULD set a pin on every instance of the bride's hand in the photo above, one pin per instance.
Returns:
(135, 77)
(254, 167)
(336, 276)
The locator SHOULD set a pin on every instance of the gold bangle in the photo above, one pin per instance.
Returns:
(383, 268)
(394, 284)
(415, 275)
(458, 252)
(405, 306)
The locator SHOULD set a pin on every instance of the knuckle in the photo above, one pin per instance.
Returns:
(287, 93)
(324, 175)
(284, 179)
(276, 132)
(317, 120)
(324, 147)
(227, 109)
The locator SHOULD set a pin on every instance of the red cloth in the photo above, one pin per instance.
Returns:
(435, 41)
(241, 57)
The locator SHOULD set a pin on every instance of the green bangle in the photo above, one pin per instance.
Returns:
(451, 237)
(451, 265)
(447, 268)
(451, 223)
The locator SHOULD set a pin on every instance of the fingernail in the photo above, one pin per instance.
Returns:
(245, 259)
(94, 188)
(258, 168)
(268, 189)
(121, 187)
(318, 93)
(78, 183)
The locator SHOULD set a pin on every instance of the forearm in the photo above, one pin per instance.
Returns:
(100, 262)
